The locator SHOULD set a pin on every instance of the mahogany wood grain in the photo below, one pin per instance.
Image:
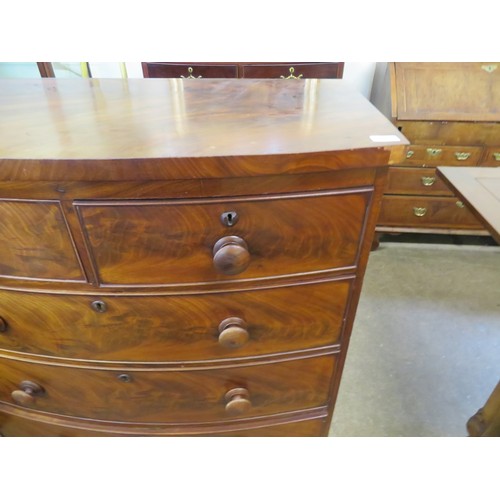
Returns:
(36, 242)
(16, 422)
(177, 122)
(172, 242)
(171, 396)
(174, 328)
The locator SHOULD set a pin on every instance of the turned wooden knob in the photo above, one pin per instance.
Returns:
(27, 392)
(233, 333)
(231, 255)
(237, 401)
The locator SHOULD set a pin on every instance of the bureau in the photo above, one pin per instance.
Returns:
(182, 257)
(450, 113)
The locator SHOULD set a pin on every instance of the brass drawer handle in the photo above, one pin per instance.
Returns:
(496, 156)
(291, 75)
(419, 211)
(233, 333)
(462, 156)
(27, 392)
(410, 153)
(434, 152)
(460, 204)
(428, 181)
(190, 71)
(237, 401)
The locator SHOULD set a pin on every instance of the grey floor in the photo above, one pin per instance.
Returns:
(425, 349)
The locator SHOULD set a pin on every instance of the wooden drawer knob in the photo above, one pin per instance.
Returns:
(27, 392)
(231, 255)
(233, 333)
(237, 401)
(3, 325)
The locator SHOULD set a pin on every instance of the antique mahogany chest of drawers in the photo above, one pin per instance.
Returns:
(450, 112)
(182, 257)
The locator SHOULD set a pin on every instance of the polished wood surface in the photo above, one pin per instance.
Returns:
(182, 257)
(173, 328)
(131, 245)
(109, 119)
(169, 395)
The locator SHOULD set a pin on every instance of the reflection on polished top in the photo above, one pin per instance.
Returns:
(107, 119)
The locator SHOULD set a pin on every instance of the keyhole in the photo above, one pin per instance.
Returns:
(99, 306)
(229, 218)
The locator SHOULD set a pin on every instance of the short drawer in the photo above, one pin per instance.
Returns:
(174, 328)
(430, 212)
(293, 70)
(31, 426)
(433, 155)
(206, 241)
(189, 70)
(491, 157)
(195, 395)
(416, 181)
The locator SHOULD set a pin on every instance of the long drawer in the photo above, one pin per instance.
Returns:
(430, 212)
(206, 241)
(174, 328)
(415, 181)
(196, 395)
(29, 425)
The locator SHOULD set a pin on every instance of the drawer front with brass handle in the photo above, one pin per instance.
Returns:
(432, 155)
(416, 181)
(293, 71)
(429, 212)
(155, 243)
(189, 70)
(175, 328)
(491, 157)
(197, 395)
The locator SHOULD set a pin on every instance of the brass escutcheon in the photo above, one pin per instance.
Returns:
(190, 71)
(496, 156)
(410, 153)
(489, 68)
(460, 204)
(291, 75)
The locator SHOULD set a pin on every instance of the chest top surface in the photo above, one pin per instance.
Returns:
(109, 119)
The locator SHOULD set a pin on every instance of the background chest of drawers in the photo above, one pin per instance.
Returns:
(450, 112)
(175, 265)
(287, 70)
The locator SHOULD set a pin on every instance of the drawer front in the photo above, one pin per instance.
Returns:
(16, 426)
(433, 155)
(175, 328)
(293, 70)
(416, 181)
(36, 242)
(140, 243)
(189, 70)
(420, 211)
(196, 395)
(491, 157)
